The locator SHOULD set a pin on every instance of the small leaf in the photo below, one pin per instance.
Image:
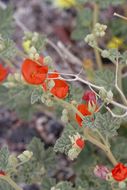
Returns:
(63, 144)
(35, 96)
(105, 78)
(9, 50)
(107, 124)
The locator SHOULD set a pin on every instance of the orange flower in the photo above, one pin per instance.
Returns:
(80, 143)
(3, 73)
(83, 108)
(60, 89)
(34, 73)
(119, 172)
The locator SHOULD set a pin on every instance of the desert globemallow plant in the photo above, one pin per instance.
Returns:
(91, 117)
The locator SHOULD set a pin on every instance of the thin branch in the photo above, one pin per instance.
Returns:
(116, 115)
(117, 80)
(120, 16)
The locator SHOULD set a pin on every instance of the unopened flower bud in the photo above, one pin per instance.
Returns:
(26, 155)
(90, 39)
(122, 185)
(105, 53)
(31, 56)
(17, 77)
(33, 50)
(103, 93)
(101, 171)
(109, 96)
(48, 60)
(36, 56)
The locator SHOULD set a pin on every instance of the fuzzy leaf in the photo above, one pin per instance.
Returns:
(107, 124)
(63, 144)
(105, 78)
(36, 95)
(9, 50)
(45, 157)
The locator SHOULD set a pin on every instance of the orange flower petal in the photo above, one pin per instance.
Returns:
(60, 89)
(83, 108)
(3, 73)
(34, 73)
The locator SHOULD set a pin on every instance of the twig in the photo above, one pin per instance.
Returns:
(116, 115)
(117, 76)
(120, 16)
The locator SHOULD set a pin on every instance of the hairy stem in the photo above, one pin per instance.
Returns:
(11, 182)
(102, 146)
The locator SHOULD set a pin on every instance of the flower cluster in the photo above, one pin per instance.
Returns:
(99, 29)
(35, 72)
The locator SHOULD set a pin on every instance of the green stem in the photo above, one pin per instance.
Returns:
(95, 20)
(11, 182)
(102, 146)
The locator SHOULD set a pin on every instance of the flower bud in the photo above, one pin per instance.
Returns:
(33, 50)
(26, 45)
(25, 156)
(101, 171)
(36, 56)
(122, 185)
(105, 53)
(48, 60)
(103, 93)
(109, 96)
(17, 77)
